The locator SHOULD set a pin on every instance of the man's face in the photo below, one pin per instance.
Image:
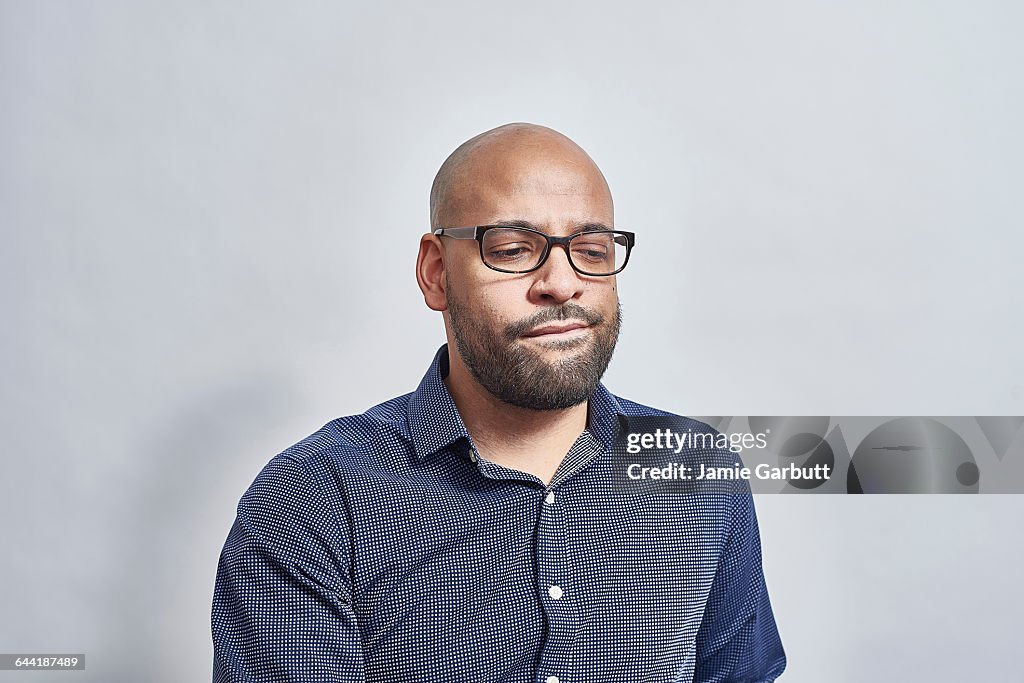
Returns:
(539, 340)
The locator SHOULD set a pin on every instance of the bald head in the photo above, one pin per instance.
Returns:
(511, 159)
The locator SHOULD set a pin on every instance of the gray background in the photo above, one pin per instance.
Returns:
(210, 214)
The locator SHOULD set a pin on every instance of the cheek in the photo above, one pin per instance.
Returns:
(606, 297)
(504, 300)
(494, 314)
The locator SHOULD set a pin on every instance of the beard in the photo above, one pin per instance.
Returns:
(518, 375)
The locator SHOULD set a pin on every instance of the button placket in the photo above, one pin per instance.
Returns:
(554, 574)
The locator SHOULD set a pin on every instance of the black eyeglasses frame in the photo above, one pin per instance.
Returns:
(477, 233)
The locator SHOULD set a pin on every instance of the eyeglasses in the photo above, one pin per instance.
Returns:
(510, 249)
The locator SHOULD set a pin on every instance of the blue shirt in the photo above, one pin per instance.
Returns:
(385, 548)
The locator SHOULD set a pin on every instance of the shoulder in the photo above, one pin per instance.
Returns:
(689, 437)
(302, 486)
(632, 409)
(343, 444)
(351, 436)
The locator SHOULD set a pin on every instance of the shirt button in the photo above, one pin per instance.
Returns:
(555, 592)
(551, 679)
(550, 498)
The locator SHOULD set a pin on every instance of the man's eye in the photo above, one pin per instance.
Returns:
(591, 252)
(508, 252)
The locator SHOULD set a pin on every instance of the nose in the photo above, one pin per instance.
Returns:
(556, 282)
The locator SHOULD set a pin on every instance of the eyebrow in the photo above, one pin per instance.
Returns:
(519, 223)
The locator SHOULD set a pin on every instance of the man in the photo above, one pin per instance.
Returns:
(474, 530)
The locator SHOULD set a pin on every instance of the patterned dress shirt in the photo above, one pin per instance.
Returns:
(384, 547)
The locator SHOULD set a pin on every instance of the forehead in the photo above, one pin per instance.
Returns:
(552, 184)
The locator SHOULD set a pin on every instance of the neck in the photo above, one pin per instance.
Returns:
(532, 441)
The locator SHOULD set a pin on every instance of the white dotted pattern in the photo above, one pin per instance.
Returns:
(377, 550)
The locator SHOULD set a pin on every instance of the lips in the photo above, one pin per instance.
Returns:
(555, 328)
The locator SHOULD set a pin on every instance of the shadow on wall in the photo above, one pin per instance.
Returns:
(158, 612)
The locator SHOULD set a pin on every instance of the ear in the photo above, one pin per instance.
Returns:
(430, 273)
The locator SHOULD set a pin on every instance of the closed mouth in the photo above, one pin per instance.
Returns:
(554, 329)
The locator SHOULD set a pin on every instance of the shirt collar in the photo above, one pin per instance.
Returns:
(435, 423)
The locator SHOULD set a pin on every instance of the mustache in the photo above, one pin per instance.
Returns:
(567, 311)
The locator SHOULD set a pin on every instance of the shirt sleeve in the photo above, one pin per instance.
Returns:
(738, 640)
(282, 608)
